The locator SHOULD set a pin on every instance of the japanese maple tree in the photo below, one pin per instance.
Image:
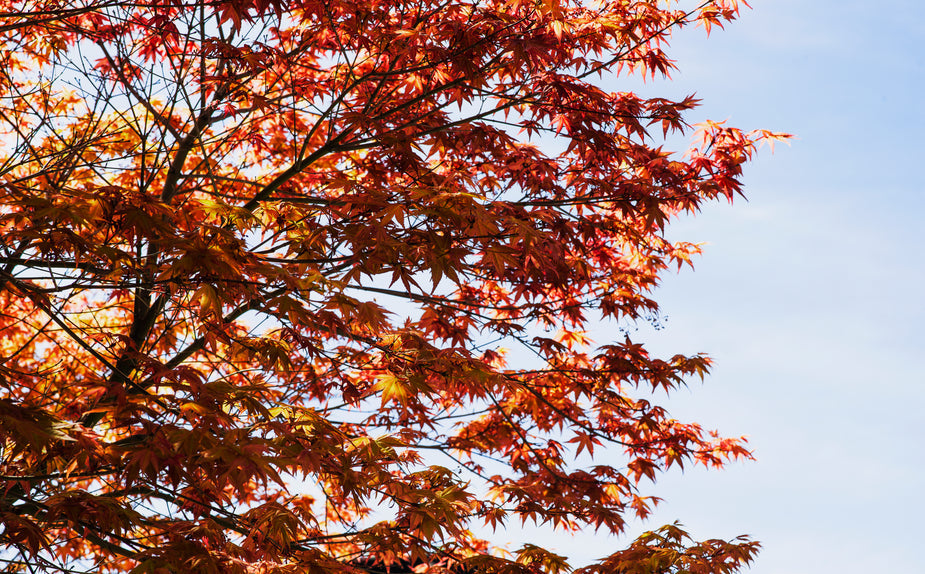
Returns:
(260, 261)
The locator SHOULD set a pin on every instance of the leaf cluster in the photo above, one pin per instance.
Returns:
(261, 263)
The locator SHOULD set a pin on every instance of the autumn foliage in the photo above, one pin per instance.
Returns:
(260, 261)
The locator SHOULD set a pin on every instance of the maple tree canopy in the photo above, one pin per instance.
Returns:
(261, 260)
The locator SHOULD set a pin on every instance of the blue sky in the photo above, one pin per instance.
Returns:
(809, 294)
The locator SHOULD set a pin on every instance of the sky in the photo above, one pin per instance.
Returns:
(808, 295)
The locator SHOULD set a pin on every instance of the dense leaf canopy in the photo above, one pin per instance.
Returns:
(260, 261)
